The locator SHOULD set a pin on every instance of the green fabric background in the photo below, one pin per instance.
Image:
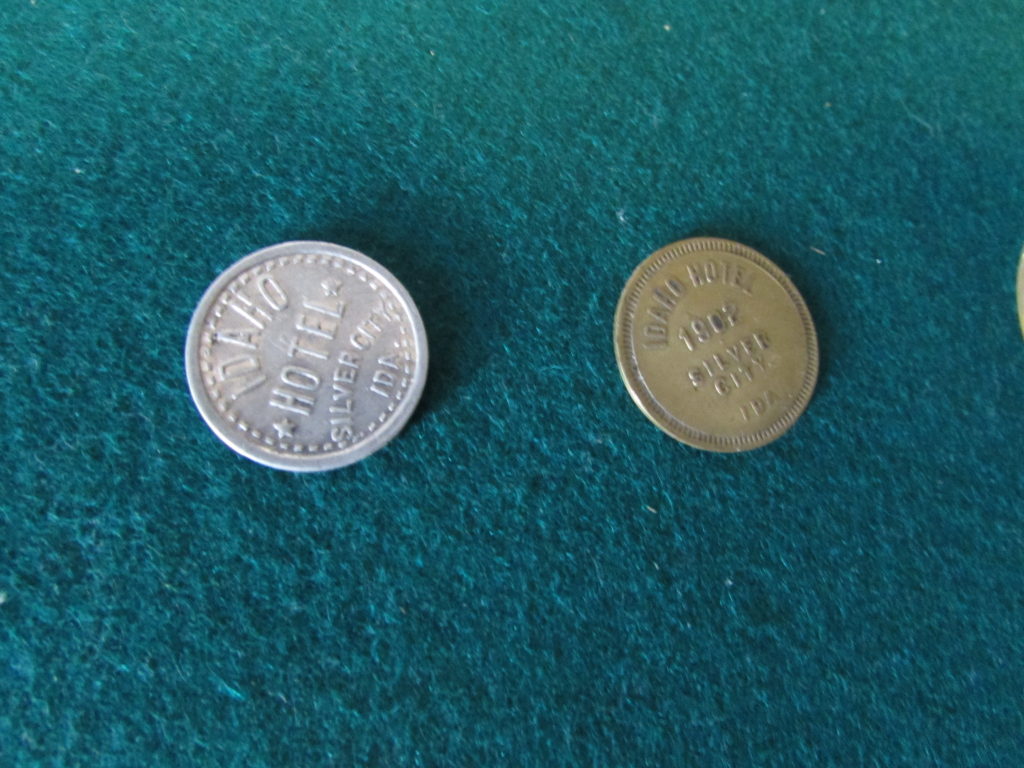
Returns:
(531, 574)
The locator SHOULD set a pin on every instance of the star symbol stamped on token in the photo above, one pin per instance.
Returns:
(284, 428)
(291, 364)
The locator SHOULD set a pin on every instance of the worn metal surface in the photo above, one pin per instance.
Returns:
(306, 356)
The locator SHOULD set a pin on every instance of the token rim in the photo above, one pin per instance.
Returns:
(1020, 293)
(291, 462)
(629, 367)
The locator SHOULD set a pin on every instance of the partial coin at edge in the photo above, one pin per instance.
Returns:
(1020, 293)
(306, 356)
(715, 345)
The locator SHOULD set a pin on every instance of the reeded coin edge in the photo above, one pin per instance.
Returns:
(320, 461)
(625, 354)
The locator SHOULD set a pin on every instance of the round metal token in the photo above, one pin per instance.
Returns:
(1020, 293)
(306, 356)
(715, 344)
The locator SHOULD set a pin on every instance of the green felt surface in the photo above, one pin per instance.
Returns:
(532, 574)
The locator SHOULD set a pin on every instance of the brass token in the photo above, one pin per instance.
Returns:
(715, 344)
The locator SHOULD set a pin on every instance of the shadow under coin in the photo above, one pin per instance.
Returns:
(439, 269)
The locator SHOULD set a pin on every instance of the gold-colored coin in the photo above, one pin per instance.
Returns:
(716, 345)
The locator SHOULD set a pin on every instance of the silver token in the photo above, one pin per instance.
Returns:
(306, 356)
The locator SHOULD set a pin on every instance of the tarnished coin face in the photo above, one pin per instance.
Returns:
(716, 345)
(306, 356)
